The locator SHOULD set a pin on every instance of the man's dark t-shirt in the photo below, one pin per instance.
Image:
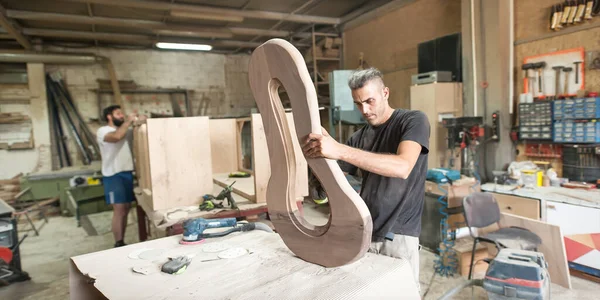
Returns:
(396, 204)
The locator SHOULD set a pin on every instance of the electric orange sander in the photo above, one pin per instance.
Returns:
(193, 229)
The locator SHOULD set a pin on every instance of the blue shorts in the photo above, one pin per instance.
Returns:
(118, 189)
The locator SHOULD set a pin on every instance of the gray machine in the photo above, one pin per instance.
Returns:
(512, 274)
(342, 108)
(431, 77)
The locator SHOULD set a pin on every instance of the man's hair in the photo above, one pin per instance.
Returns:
(359, 78)
(109, 110)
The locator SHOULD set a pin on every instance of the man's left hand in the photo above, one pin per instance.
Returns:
(321, 145)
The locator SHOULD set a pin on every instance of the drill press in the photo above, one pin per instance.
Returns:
(464, 132)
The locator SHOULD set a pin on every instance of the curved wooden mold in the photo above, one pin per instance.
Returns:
(347, 235)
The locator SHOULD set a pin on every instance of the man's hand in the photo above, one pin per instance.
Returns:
(321, 145)
(142, 118)
(131, 117)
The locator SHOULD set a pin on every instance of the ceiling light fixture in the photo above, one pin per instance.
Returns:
(206, 16)
(178, 46)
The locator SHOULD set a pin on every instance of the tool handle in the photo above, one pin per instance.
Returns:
(231, 201)
(222, 233)
(218, 223)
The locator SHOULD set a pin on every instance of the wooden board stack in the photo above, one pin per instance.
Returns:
(10, 188)
(16, 131)
(327, 47)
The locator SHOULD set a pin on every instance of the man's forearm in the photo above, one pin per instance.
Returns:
(389, 165)
(121, 132)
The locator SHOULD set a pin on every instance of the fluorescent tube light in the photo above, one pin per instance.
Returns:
(206, 16)
(178, 46)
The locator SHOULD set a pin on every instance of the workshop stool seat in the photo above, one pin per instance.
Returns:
(515, 238)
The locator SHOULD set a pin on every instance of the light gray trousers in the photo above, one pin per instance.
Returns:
(404, 247)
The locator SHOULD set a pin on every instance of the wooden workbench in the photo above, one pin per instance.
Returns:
(590, 199)
(271, 271)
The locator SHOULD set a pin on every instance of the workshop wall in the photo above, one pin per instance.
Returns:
(390, 41)
(533, 37)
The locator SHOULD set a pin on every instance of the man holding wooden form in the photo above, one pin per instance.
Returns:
(117, 167)
(391, 153)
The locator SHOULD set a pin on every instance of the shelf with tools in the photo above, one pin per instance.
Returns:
(555, 111)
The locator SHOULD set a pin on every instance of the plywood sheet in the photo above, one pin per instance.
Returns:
(260, 159)
(223, 145)
(553, 246)
(271, 272)
(262, 165)
(301, 165)
(180, 161)
(141, 158)
(436, 100)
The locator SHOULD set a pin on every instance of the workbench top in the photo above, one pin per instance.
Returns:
(270, 271)
(164, 218)
(589, 198)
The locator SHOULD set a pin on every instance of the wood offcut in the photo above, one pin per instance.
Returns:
(347, 235)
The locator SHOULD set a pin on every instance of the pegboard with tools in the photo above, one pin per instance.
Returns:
(554, 75)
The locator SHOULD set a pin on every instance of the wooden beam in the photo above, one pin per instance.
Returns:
(266, 32)
(114, 83)
(294, 12)
(251, 14)
(88, 35)
(155, 26)
(13, 29)
(130, 38)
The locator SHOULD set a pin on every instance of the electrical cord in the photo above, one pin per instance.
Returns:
(429, 285)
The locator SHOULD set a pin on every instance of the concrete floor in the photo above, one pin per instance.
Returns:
(46, 259)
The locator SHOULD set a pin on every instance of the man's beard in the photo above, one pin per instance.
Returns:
(118, 122)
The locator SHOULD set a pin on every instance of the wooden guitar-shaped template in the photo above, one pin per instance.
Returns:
(347, 235)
